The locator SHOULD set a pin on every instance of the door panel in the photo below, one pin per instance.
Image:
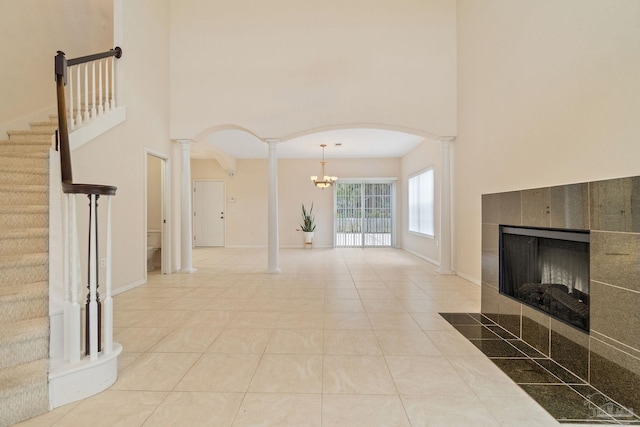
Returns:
(208, 213)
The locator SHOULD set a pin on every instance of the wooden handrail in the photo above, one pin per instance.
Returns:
(68, 186)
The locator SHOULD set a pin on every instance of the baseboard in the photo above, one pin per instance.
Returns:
(69, 383)
(128, 287)
(469, 278)
(426, 258)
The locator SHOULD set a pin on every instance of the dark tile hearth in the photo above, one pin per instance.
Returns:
(568, 398)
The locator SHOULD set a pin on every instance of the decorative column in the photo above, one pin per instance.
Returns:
(273, 244)
(186, 234)
(445, 206)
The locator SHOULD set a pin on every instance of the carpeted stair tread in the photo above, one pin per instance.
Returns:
(25, 171)
(23, 392)
(24, 216)
(22, 375)
(24, 162)
(50, 126)
(24, 302)
(24, 330)
(15, 174)
(26, 194)
(24, 272)
(32, 143)
(21, 269)
(11, 152)
(7, 261)
(22, 241)
(22, 342)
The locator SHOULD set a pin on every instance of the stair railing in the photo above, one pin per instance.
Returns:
(91, 80)
(96, 339)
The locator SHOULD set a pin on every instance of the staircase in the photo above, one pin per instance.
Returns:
(24, 273)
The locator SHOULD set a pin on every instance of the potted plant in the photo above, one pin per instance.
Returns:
(308, 225)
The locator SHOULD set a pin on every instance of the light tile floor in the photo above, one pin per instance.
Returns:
(342, 337)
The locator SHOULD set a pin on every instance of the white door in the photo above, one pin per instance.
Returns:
(208, 213)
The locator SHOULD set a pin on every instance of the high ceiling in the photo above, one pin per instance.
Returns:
(343, 143)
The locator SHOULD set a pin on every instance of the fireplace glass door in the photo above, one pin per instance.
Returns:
(548, 270)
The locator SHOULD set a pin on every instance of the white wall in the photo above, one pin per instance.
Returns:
(31, 32)
(285, 66)
(548, 94)
(246, 218)
(118, 157)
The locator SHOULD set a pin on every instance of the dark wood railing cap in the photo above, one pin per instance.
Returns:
(97, 189)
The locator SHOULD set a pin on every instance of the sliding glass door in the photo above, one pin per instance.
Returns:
(364, 213)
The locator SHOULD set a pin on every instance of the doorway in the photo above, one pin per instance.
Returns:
(208, 213)
(365, 214)
(157, 223)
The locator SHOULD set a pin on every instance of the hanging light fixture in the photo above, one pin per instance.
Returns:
(323, 181)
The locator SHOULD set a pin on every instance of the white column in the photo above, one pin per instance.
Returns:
(186, 234)
(273, 244)
(445, 206)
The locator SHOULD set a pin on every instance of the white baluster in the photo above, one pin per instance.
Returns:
(78, 96)
(93, 90)
(74, 329)
(71, 122)
(108, 301)
(106, 86)
(113, 82)
(86, 93)
(100, 82)
(66, 281)
(93, 281)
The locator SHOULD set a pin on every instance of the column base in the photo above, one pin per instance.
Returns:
(446, 272)
(187, 270)
(273, 271)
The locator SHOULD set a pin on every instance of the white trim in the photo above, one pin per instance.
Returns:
(166, 210)
(468, 278)
(129, 287)
(426, 258)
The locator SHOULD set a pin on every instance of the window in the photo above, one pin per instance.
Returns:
(421, 193)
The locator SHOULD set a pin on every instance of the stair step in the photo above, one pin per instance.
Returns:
(50, 126)
(29, 135)
(24, 392)
(22, 269)
(24, 302)
(17, 175)
(24, 217)
(20, 153)
(24, 241)
(24, 194)
(23, 163)
(24, 147)
(22, 342)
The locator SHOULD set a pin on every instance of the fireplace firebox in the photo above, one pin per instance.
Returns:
(548, 270)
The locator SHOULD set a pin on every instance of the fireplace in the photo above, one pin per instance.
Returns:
(547, 269)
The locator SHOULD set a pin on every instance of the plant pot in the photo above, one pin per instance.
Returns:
(308, 236)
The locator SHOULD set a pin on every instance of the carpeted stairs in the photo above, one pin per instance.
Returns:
(24, 273)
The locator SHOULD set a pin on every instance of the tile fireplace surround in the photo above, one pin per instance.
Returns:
(608, 357)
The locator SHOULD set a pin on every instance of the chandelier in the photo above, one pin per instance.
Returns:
(323, 181)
